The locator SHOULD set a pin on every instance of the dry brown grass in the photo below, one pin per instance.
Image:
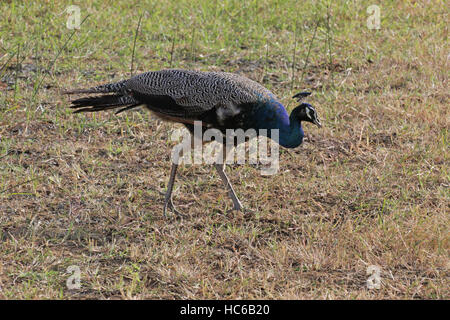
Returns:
(370, 188)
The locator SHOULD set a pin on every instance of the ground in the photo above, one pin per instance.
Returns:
(369, 188)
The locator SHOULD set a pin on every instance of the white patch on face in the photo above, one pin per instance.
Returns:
(308, 113)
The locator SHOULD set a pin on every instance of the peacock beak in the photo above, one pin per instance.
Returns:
(317, 122)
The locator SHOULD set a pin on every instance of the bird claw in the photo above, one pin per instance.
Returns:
(169, 204)
(238, 206)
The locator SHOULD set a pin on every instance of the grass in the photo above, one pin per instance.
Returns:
(369, 188)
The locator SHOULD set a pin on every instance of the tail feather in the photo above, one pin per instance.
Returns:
(127, 108)
(104, 102)
(94, 109)
(115, 96)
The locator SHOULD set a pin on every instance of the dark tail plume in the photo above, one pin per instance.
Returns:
(114, 96)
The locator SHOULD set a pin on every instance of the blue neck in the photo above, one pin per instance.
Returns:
(273, 115)
(292, 135)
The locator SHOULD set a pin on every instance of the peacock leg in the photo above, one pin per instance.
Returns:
(220, 167)
(168, 203)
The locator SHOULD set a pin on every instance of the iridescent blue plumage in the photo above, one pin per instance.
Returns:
(273, 115)
(265, 114)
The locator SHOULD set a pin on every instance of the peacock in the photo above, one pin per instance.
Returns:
(219, 100)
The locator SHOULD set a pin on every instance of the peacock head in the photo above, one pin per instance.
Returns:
(306, 112)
